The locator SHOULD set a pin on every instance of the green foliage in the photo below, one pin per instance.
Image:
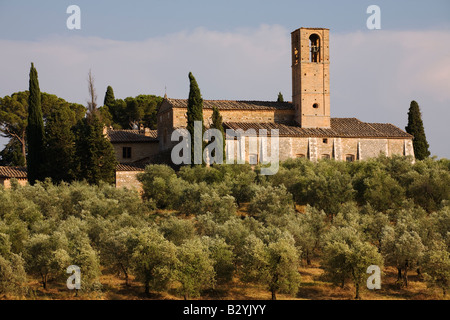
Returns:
(35, 130)
(436, 265)
(347, 256)
(126, 113)
(59, 145)
(154, 260)
(275, 264)
(217, 123)
(12, 154)
(415, 128)
(271, 202)
(12, 270)
(280, 97)
(195, 268)
(161, 184)
(109, 97)
(94, 155)
(194, 112)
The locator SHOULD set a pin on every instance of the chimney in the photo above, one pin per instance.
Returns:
(105, 130)
(147, 132)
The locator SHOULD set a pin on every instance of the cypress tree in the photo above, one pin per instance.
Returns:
(35, 130)
(280, 97)
(109, 97)
(415, 128)
(94, 154)
(217, 123)
(194, 113)
(59, 144)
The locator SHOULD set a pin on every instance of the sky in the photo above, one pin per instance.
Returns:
(237, 50)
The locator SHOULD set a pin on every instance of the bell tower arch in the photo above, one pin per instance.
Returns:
(311, 77)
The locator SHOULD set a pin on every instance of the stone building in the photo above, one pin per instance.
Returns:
(305, 126)
(134, 149)
(9, 173)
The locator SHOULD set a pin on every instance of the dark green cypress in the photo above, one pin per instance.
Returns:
(194, 112)
(59, 145)
(280, 97)
(217, 123)
(94, 155)
(415, 128)
(109, 97)
(35, 130)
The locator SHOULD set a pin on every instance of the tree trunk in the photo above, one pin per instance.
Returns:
(343, 283)
(357, 297)
(126, 275)
(308, 259)
(405, 275)
(24, 153)
(274, 295)
(147, 288)
(399, 274)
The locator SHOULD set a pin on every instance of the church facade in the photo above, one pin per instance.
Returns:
(305, 126)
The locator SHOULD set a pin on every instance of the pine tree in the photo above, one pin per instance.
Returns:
(109, 97)
(35, 130)
(194, 113)
(415, 128)
(59, 144)
(217, 123)
(280, 97)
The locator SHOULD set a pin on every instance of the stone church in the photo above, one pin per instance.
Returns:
(305, 126)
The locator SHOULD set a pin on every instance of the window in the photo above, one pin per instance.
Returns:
(325, 140)
(326, 156)
(350, 158)
(315, 105)
(300, 155)
(253, 158)
(314, 46)
(126, 152)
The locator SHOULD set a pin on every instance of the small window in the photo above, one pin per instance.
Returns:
(253, 158)
(315, 105)
(350, 158)
(126, 152)
(300, 155)
(325, 156)
(325, 140)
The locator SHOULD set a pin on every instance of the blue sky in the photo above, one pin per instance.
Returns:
(236, 50)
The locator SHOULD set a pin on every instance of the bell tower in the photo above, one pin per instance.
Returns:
(311, 77)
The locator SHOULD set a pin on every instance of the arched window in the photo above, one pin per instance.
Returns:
(314, 46)
(300, 155)
(350, 158)
(326, 156)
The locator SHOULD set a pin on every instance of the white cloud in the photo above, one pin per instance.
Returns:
(374, 75)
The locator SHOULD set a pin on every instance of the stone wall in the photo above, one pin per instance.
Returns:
(6, 182)
(138, 150)
(315, 148)
(128, 179)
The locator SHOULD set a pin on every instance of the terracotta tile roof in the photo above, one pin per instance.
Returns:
(340, 127)
(117, 136)
(13, 172)
(129, 167)
(236, 104)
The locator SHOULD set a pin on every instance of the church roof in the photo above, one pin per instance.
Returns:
(117, 136)
(340, 127)
(235, 104)
(13, 172)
